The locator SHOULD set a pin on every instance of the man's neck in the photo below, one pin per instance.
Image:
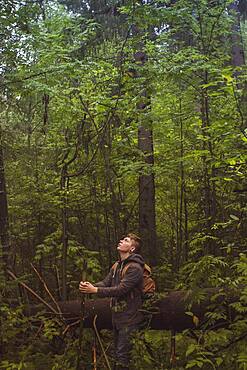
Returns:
(123, 256)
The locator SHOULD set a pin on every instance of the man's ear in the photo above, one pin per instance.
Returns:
(132, 250)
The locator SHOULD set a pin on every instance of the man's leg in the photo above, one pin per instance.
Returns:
(123, 346)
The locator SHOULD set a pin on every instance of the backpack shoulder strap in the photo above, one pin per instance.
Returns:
(123, 272)
(114, 268)
(134, 264)
(148, 269)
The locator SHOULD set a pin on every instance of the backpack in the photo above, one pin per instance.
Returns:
(149, 285)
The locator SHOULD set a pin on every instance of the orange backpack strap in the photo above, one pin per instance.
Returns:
(114, 268)
(134, 264)
(147, 268)
(148, 282)
(123, 272)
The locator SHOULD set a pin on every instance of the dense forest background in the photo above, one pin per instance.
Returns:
(121, 116)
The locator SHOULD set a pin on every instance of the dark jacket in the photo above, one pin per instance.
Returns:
(126, 293)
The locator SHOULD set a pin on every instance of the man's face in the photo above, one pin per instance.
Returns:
(125, 245)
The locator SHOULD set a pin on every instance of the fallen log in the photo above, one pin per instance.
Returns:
(169, 313)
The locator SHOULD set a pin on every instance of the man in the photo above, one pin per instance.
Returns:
(126, 292)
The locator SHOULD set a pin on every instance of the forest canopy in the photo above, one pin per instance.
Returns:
(123, 116)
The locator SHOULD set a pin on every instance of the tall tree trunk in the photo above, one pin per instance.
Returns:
(95, 209)
(4, 221)
(4, 233)
(64, 188)
(109, 178)
(65, 238)
(181, 205)
(186, 229)
(147, 223)
(238, 57)
(209, 198)
(177, 256)
(108, 238)
(39, 217)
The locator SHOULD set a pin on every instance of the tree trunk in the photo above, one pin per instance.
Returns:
(180, 257)
(147, 227)
(147, 223)
(4, 232)
(4, 223)
(186, 229)
(65, 238)
(237, 44)
(208, 169)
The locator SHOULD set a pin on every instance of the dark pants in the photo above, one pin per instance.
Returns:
(123, 346)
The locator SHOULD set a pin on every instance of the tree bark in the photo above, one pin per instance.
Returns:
(238, 57)
(65, 237)
(4, 221)
(210, 196)
(4, 234)
(147, 222)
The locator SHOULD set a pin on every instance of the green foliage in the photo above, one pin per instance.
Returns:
(69, 110)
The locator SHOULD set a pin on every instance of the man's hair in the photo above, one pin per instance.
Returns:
(136, 241)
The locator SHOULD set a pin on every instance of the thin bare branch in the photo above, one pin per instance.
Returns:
(70, 326)
(31, 291)
(46, 288)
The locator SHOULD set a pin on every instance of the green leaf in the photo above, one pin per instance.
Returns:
(234, 217)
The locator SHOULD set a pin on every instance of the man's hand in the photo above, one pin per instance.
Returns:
(86, 287)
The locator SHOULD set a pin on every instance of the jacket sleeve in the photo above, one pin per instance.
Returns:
(106, 282)
(131, 279)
